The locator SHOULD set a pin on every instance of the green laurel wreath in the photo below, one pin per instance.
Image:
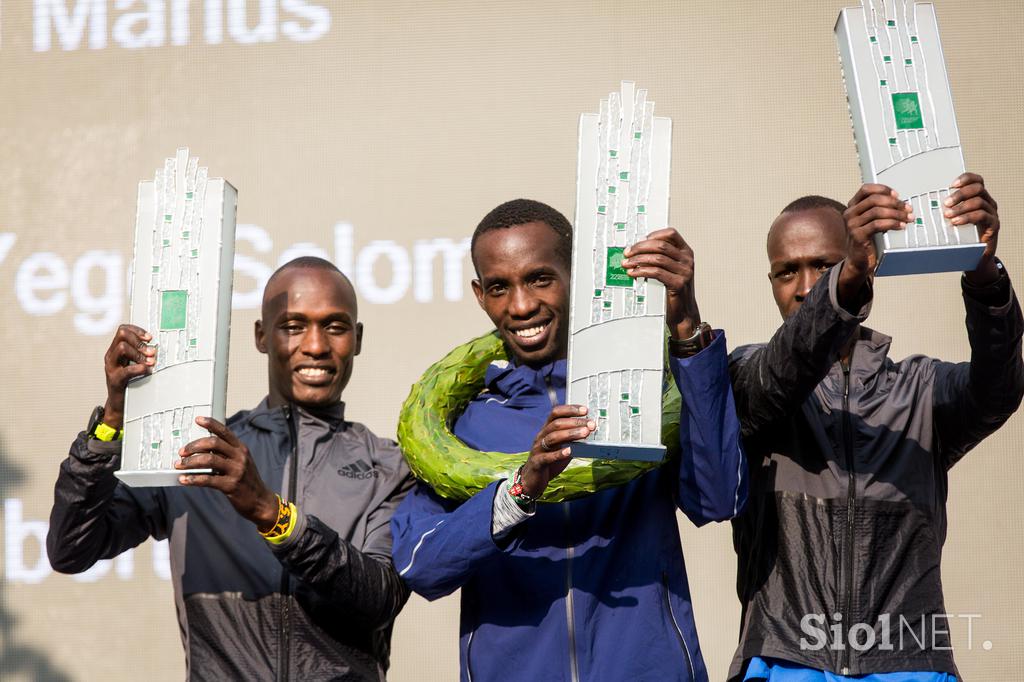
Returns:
(458, 472)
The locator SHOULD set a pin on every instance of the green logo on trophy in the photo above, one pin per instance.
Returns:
(173, 309)
(907, 108)
(616, 274)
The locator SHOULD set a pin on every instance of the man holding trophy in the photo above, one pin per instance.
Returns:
(839, 548)
(595, 587)
(296, 585)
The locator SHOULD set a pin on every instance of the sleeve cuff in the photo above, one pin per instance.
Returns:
(715, 348)
(100, 451)
(833, 297)
(996, 297)
(507, 514)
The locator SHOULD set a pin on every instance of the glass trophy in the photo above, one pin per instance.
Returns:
(905, 129)
(181, 294)
(617, 324)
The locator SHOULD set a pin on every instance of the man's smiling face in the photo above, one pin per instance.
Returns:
(523, 287)
(310, 335)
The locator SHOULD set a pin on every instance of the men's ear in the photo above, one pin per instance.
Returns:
(478, 291)
(359, 338)
(261, 340)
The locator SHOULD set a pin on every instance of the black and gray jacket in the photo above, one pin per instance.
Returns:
(847, 506)
(318, 607)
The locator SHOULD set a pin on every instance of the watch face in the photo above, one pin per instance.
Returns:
(94, 420)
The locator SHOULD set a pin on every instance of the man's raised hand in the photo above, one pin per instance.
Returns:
(234, 473)
(970, 203)
(550, 452)
(128, 357)
(874, 209)
(666, 257)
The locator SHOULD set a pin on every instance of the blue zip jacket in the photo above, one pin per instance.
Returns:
(593, 589)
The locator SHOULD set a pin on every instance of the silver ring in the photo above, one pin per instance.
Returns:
(544, 444)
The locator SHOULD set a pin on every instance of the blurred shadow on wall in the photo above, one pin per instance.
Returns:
(18, 660)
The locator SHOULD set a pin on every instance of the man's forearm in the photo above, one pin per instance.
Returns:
(365, 588)
(853, 288)
(88, 522)
(438, 546)
(712, 466)
(972, 400)
(994, 328)
(776, 378)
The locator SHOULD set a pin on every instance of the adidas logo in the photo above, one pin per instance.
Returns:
(359, 470)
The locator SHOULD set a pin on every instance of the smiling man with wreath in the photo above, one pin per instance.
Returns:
(594, 587)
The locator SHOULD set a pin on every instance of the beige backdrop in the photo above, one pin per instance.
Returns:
(380, 132)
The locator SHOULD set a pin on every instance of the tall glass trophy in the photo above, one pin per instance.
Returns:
(181, 294)
(617, 324)
(905, 128)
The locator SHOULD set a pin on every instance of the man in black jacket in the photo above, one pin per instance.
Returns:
(849, 451)
(314, 597)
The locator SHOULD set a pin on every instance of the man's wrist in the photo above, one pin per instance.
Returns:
(100, 429)
(113, 415)
(988, 272)
(284, 524)
(506, 513)
(853, 287)
(684, 329)
(700, 339)
(268, 512)
(518, 492)
(993, 293)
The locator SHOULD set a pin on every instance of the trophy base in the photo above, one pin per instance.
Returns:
(157, 478)
(625, 451)
(920, 261)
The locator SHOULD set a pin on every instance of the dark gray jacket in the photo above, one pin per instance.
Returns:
(318, 607)
(847, 506)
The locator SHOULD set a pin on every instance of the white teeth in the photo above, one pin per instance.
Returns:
(531, 332)
(313, 372)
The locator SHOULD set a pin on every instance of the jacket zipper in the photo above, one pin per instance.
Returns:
(570, 615)
(284, 644)
(675, 624)
(570, 552)
(851, 501)
(469, 643)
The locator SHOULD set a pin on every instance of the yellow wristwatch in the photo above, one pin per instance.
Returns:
(100, 431)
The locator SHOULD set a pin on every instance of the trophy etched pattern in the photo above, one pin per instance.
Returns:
(181, 294)
(905, 129)
(617, 324)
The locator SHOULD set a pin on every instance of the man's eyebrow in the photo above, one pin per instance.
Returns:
(338, 316)
(288, 316)
(488, 281)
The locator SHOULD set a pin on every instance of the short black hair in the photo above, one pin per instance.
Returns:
(811, 202)
(521, 212)
(311, 263)
(308, 263)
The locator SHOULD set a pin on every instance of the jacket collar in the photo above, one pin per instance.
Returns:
(870, 351)
(507, 379)
(272, 418)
